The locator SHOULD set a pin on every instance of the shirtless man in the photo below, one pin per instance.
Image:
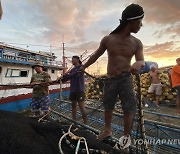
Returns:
(121, 46)
(155, 83)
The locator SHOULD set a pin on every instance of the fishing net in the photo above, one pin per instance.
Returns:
(20, 134)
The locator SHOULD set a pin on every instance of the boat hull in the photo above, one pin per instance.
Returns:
(23, 101)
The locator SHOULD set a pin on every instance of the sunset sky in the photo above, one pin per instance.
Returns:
(81, 24)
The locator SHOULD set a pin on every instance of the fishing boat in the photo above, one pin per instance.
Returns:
(16, 69)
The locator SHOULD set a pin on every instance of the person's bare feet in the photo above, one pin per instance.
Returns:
(104, 135)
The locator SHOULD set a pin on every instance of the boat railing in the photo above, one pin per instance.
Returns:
(155, 131)
(31, 60)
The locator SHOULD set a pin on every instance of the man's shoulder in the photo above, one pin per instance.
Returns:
(106, 38)
(136, 40)
(46, 74)
(175, 67)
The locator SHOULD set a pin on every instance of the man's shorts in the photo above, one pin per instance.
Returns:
(41, 103)
(77, 96)
(122, 86)
(178, 91)
(157, 88)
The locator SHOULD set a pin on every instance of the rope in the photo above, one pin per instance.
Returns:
(21, 85)
(40, 119)
(141, 119)
(73, 136)
(107, 77)
(14, 86)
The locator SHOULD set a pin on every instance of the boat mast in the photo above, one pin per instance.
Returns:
(63, 56)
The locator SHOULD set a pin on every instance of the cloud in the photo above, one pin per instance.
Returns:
(157, 47)
(79, 49)
(164, 50)
(164, 13)
(48, 20)
(173, 31)
(161, 11)
(84, 23)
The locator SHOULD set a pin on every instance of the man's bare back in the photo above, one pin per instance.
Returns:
(155, 76)
(120, 52)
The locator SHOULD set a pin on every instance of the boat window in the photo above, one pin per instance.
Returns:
(23, 73)
(17, 73)
(8, 73)
(52, 71)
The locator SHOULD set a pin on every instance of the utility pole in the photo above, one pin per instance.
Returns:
(97, 68)
(63, 57)
(50, 48)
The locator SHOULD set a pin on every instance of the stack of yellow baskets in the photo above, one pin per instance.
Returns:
(94, 91)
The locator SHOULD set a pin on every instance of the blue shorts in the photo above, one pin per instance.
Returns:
(41, 103)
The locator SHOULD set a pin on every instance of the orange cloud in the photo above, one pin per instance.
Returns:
(65, 17)
(173, 31)
(164, 54)
(161, 11)
(164, 13)
(163, 50)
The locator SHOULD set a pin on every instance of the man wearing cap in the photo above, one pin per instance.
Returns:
(175, 78)
(156, 86)
(121, 46)
(77, 88)
(40, 82)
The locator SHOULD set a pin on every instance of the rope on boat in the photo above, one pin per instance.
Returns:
(105, 77)
(73, 136)
(42, 118)
(141, 119)
(21, 85)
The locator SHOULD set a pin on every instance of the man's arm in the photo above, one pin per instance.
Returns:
(32, 79)
(139, 56)
(69, 76)
(32, 82)
(47, 80)
(102, 48)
